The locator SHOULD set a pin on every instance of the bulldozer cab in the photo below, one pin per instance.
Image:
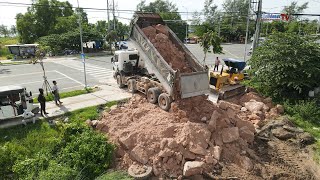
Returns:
(230, 75)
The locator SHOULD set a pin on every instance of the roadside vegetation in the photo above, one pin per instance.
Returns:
(69, 150)
(4, 51)
(286, 67)
(50, 97)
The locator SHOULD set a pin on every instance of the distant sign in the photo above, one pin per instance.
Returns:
(283, 17)
(83, 57)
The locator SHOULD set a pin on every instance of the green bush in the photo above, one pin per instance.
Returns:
(9, 56)
(87, 152)
(306, 110)
(57, 171)
(29, 168)
(287, 66)
(9, 154)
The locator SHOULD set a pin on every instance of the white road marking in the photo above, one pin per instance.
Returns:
(33, 82)
(25, 74)
(69, 77)
(97, 72)
(231, 53)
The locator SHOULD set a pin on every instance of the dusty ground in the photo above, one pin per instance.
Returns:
(238, 139)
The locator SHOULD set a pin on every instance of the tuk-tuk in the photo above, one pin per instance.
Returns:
(15, 101)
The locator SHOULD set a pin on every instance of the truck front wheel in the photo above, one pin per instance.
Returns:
(153, 94)
(164, 101)
(119, 81)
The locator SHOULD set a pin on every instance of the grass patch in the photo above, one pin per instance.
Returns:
(67, 94)
(306, 114)
(64, 151)
(115, 175)
(4, 51)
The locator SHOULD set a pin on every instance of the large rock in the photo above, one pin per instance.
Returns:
(213, 120)
(230, 134)
(281, 133)
(139, 154)
(128, 141)
(280, 109)
(241, 123)
(244, 162)
(198, 148)
(246, 134)
(254, 105)
(210, 160)
(192, 168)
(225, 105)
(165, 153)
(217, 152)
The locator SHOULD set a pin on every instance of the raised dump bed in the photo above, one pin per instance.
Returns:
(160, 65)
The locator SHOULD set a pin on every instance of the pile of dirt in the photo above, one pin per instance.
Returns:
(159, 37)
(193, 137)
(198, 137)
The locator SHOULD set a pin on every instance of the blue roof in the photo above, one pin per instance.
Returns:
(235, 63)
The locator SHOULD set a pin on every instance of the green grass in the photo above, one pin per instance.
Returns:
(67, 94)
(4, 51)
(119, 175)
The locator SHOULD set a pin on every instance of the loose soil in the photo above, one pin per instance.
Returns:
(159, 37)
(236, 139)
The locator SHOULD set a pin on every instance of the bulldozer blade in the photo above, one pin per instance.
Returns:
(214, 97)
(230, 91)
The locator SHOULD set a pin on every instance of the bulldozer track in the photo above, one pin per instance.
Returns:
(286, 159)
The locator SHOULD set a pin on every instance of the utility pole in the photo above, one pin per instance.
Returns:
(187, 27)
(82, 54)
(258, 25)
(247, 31)
(114, 16)
(219, 26)
(318, 28)
(108, 15)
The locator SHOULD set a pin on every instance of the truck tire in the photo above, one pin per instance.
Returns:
(153, 94)
(119, 81)
(164, 101)
(132, 85)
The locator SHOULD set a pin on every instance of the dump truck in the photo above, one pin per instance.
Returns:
(142, 68)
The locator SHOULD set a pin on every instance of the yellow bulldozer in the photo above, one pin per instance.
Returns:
(226, 83)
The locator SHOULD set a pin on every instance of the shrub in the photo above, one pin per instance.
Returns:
(9, 154)
(287, 66)
(114, 175)
(307, 110)
(29, 168)
(86, 151)
(9, 56)
(57, 171)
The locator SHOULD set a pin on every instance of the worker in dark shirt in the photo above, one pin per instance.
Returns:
(42, 101)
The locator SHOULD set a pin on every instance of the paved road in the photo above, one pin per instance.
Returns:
(68, 71)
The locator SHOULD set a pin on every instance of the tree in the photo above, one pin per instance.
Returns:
(13, 30)
(210, 39)
(4, 31)
(167, 11)
(293, 8)
(210, 12)
(42, 17)
(287, 66)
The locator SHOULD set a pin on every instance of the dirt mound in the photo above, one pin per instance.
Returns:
(195, 137)
(159, 37)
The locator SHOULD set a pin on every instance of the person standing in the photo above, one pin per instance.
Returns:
(216, 64)
(42, 101)
(56, 93)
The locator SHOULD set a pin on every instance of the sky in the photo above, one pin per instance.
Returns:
(8, 13)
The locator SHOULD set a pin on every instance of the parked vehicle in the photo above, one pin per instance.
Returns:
(14, 101)
(145, 70)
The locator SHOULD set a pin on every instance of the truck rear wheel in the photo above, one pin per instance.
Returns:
(164, 101)
(132, 87)
(153, 94)
(119, 81)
